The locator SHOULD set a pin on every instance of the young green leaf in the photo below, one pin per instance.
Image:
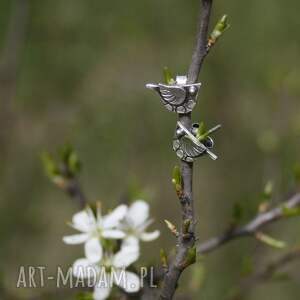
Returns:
(177, 180)
(50, 166)
(268, 190)
(168, 78)
(186, 226)
(270, 241)
(290, 212)
(74, 164)
(164, 258)
(221, 26)
(172, 228)
(202, 133)
(64, 153)
(191, 256)
(200, 130)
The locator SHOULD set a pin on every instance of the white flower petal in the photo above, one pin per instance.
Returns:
(75, 238)
(113, 234)
(113, 219)
(82, 268)
(149, 236)
(93, 250)
(145, 225)
(130, 241)
(84, 220)
(101, 292)
(129, 253)
(128, 281)
(91, 214)
(138, 213)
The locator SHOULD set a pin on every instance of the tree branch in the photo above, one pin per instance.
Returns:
(200, 51)
(186, 239)
(266, 273)
(72, 187)
(260, 221)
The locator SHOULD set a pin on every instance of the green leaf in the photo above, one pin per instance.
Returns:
(163, 258)
(191, 256)
(168, 78)
(268, 190)
(74, 164)
(202, 133)
(64, 152)
(186, 226)
(50, 166)
(177, 179)
(270, 241)
(70, 159)
(202, 128)
(172, 227)
(221, 26)
(290, 212)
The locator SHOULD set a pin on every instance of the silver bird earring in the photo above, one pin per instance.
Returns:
(179, 97)
(188, 147)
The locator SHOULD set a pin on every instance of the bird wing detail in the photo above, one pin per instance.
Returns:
(174, 95)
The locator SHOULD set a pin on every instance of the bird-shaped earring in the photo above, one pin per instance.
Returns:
(179, 97)
(188, 147)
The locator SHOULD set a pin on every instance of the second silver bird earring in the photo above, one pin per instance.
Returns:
(188, 147)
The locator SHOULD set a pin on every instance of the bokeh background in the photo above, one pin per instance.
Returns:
(75, 70)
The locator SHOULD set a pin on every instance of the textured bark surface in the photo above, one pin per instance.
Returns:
(186, 240)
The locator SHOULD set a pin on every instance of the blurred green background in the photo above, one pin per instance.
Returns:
(75, 71)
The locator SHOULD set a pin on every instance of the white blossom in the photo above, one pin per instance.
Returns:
(136, 221)
(111, 270)
(94, 228)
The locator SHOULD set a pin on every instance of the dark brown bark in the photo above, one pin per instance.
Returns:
(186, 240)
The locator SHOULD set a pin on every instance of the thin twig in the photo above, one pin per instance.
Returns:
(186, 240)
(72, 187)
(260, 221)
(266, 273)
(74, 190)
(201, 43)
